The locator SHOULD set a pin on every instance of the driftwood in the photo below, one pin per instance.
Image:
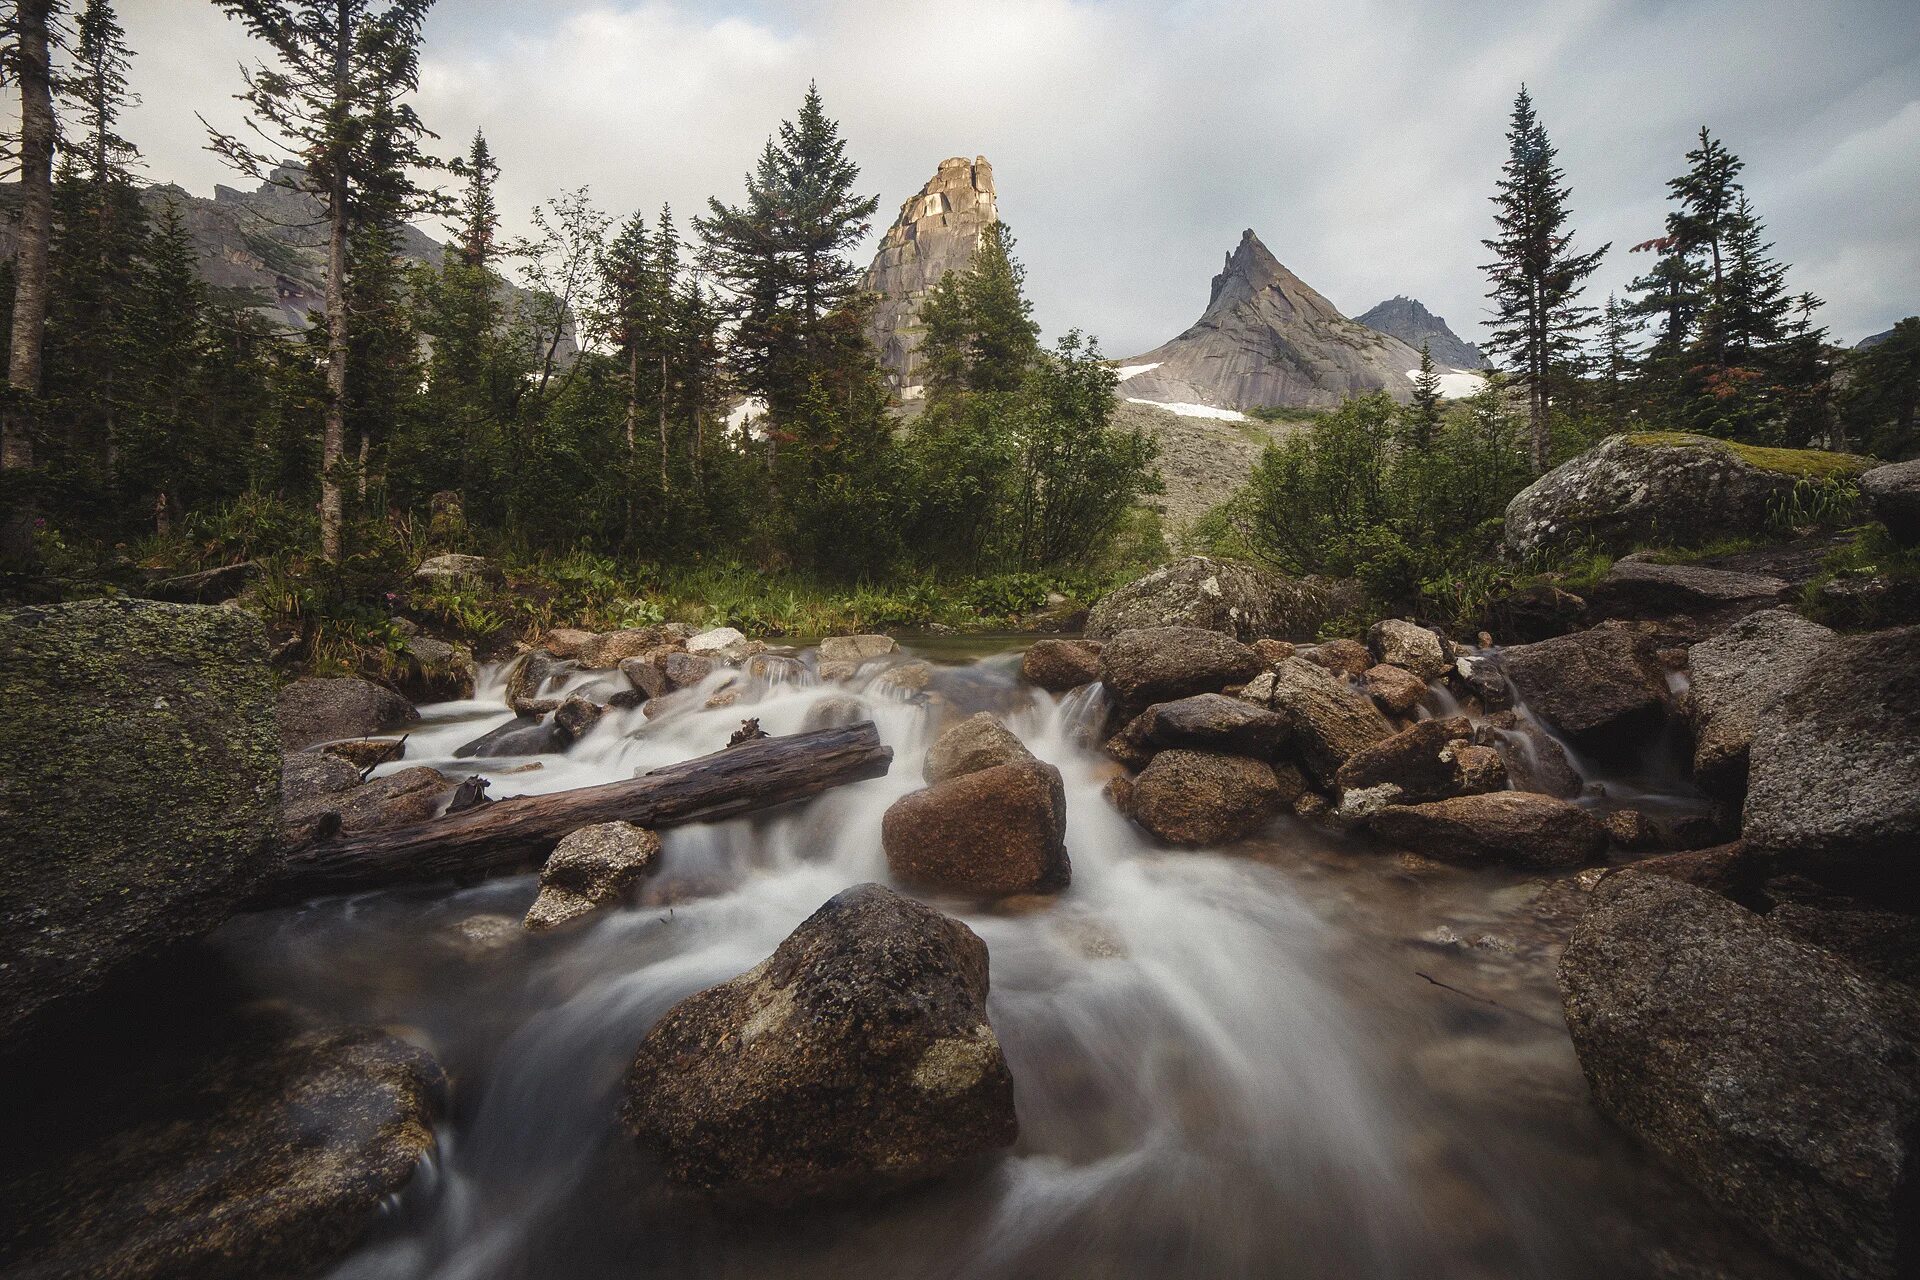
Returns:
(509, 834)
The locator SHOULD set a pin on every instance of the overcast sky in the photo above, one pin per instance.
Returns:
(1132, 140)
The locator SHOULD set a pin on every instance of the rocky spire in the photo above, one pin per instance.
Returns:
(1406, 319)
(936, 232)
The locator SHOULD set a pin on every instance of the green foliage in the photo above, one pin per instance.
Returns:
(980, 335)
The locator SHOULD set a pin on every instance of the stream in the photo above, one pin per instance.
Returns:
(1301, 1057)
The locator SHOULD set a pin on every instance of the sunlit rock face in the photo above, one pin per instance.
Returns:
(936, 232)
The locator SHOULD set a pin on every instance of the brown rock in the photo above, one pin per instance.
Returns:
(1398, 643)
(1330, 719)
(607, 651)
(997, 831)
(575, 718)
(1199, 798)
(685, 670)
(1204, 722)
(566, 642)
(1160, 664)
(1417, 764)
(368, 753)
(647, 679)
(1394, 690)
(1604, 688)
(313, 709)
(592, 867)
(978, 742)
(1060, 665)
(1343, 657)
(1506, 828)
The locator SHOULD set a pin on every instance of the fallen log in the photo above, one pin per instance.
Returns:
(510, 834)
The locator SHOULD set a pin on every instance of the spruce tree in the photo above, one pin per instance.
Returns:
(1619, 336)
(479, 216)
(1707, 195)
(1420, 418)
(979, 329)
(1536, 275)
(1670, 295)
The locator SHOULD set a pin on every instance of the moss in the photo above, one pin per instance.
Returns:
(1811, 464)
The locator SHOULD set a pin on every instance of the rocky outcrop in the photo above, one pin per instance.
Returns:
(996, 830)
(315, 709)
(937, 232)
(267, 1158)
(1201, 798)
(1779, 1080)
(1236, 599)
(1733, 677)
(1636, 588)
(1406, 319)
(1497, 828)
(1061, 665)
(858, 1057)
(1666, 487)
(1603, 688)
(593, 867)
(1159, 664)
(1893, 493)
(1330, 719)
(1834, 765)
(1267, 338)
(139, 785)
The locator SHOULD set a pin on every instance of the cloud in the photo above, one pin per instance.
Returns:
(1133, 140)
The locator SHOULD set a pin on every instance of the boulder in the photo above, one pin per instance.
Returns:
(1733, 677)
(1235, 599)
(520, 736)
(208, 586)
(1779, 1080)
(1330, 719)
(367, 753)
(574, 719)
(566, 642)
(839, 657)
(269, 1156)
(1478, 676)
(1060, 665)
(591, 868)
(608, 650)
(998, 830)
(722, 644)
(1834, 768)
(646, 678)
(436, 671)
(1271, 651)
(1204, 722)
(1533, 760)
(1539, 611)
(857, 1058)
(1499, 828)
(139, 783)
(453, 568)
(1200, 798)
(1893, 493)
(1604, 688)
(1668, 487)
(1159, 664)
(1640, 588)
(978, 742)
(1399, 643)
(1342, 657)
(685, 670)
(834, 711)
(1420, 763)
(528, 679)
(1394, 690)
(321, 795)
(317, 709)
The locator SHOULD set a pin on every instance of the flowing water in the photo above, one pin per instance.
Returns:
(1303, 1057)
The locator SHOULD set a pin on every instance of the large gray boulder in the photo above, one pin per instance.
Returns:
(1781, 1081)
(1236, 599)
(1665, 487)
(593, 867)
(858, 1057)
(318, 709)
(1834, 765)
(1733, 677)
(1604, 688)
(139, 787)
(1893, 491)
(1160, 664)
(979, 742)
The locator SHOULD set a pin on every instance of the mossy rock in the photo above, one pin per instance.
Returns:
(139, 787)
(1665, 488)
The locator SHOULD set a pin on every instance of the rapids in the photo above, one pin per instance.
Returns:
(1301, 1058)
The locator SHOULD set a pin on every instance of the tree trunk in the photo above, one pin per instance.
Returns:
(334, 434)
(34, 73)
(663, 424)
(518, 832)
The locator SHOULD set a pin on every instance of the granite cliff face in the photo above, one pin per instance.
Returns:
(1406, 319)
(1268, 338)
(936, 232)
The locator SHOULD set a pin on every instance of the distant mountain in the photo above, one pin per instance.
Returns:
(936, 232)
(1406, 319)
(1267, 338)
(1872, 340)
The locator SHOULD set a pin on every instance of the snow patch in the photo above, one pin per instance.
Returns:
(746, 413)
(1455, 385)
(1126, 371)
(1186, 410)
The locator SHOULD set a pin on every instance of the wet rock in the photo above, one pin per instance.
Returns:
(1342, 657)
(1633, 830)
(1200, 798)
(1533, 760)
(398, 799)
(313, 709)
(1394, 690)
(1060, 665)
(723, 645)
(267, 1158)
(566, 642)
(1730, 870)
(1500, 828)
(1540, 611)
(1271, 651)
(1775, 1077)
(1226, 596)
(998, 830)
(1478, 676)
(575, 718)
(1160, 664)
(520, 736)
(451, 569)
(608, 650)
(1420, 763)
(1869, 935)
(208, 586)
(480, 936)
(1893, 492)
(1639, 588)
(593, 867)
(368, 753)
(648, 680)
(1604, 688)
(1204, 722)
(1398, 643)
(906, 678)
(1680, 489)
(528, 679)
(1834, 766)
(685, 670)
(1732, 679)
(1330, 719)
(139, 780)
(978, 742)
(436, 671)
(834, 711)
(857, 1058)
(840, 657)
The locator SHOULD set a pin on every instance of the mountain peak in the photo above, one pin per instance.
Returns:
(1409, 320)
(937, 231)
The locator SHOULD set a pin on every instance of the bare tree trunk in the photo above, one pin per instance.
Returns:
(663, 424)
(333, 439)
(34, 73)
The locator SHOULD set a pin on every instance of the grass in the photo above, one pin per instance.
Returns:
(1813, 464)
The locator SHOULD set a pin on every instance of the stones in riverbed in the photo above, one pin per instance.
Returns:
(1395, 690)
(1160, 664)
(1431, 760)
(1496, 828)
(857, 1058)
(978, 742)
(1060, 665)
(840, 657)
(1732, 679)
(1781, 1081)
(994, 831)
(593, 867)
(1331, 720)
(1204, 722)
(316, 709)
(574, 719)
(1604, 688)
(1399, 643)
(321, 795)
(1202, 798)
